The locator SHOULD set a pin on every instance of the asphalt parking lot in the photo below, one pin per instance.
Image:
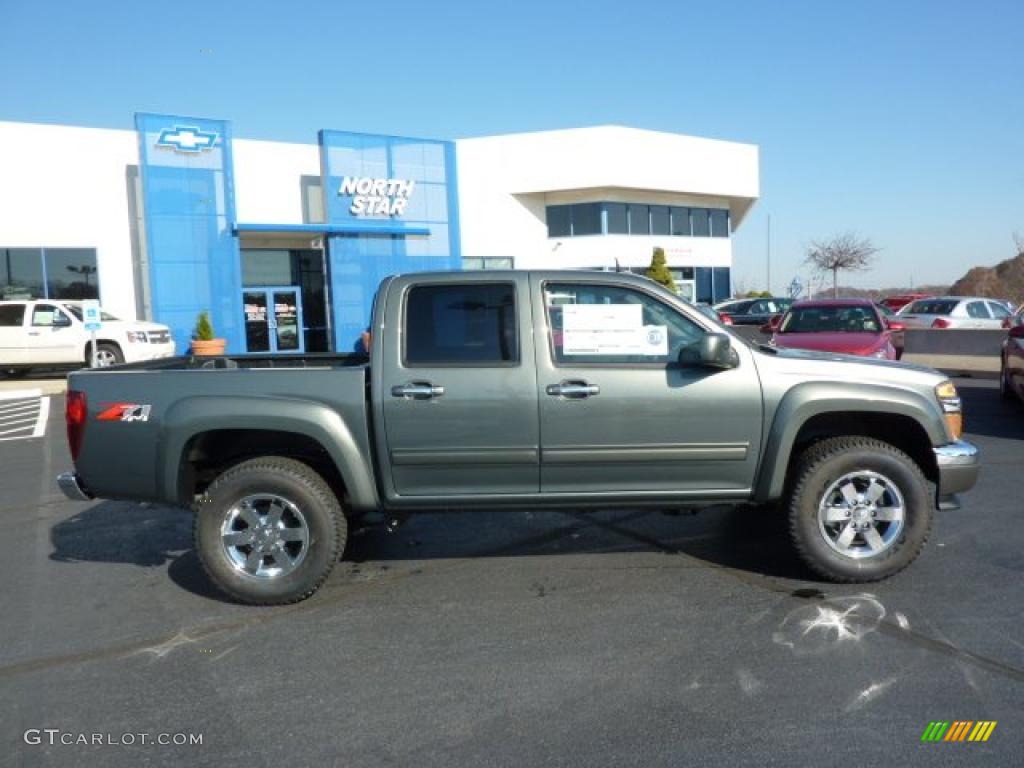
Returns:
(516, 638)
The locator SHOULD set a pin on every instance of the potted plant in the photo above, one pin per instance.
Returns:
(203, 341)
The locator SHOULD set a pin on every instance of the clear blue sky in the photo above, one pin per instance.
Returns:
(902, 120)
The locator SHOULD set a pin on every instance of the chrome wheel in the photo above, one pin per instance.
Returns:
(105, 358)
(862, 514)
(265, 536)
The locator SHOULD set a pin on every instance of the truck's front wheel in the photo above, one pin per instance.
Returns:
(859, 509)
(269, 530)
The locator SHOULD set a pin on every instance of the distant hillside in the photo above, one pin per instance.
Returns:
(1003, 281)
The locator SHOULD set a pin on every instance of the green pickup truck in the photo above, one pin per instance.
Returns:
(518, 389)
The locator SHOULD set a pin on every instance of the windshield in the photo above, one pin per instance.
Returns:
(831, 320)
(76, 310)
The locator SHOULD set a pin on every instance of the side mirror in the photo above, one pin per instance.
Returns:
(895, 326)
(715, 352)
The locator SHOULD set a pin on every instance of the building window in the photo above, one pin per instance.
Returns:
(719, 222)
(48, 273)
(616, 220)
(680, 221)
(700, 222)
(461, 324)
(559, 220)
(659, 220)
(586, 219)
(639, 219)
(636, 219)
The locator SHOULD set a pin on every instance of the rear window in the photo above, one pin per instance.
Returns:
(464, 324)
(831, 320)
(12, 315)
(932, 307)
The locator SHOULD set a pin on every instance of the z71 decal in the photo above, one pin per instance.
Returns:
(125, 412)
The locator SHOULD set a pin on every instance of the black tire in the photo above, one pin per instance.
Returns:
(820, 469)
(295, 482)
(104, 348)
(1005, 390)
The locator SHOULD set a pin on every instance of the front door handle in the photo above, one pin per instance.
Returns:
(575, 390)
(417, 390)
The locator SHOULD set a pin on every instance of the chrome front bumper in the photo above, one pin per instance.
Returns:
(958, 467)
(72, 487)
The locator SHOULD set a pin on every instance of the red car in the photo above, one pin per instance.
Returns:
(1011, 368)
(846, 326)
(896, 303)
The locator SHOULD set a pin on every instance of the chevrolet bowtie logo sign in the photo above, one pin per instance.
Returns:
(186, 138)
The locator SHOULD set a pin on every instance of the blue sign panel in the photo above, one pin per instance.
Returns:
(189, 205)
(387, 191)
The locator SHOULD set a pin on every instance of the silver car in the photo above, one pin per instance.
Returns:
(955, 312)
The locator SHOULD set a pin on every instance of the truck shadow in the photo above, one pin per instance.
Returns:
(740, 538)
(987, 414)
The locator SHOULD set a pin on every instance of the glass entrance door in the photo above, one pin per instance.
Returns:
(273, 319)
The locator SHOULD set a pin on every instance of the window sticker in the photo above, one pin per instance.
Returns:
(610, 329)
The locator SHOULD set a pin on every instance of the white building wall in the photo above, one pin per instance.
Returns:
(506, 182)
(67, 187)
(268, 177)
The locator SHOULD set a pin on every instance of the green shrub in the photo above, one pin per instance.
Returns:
(204, 328)
(658, 271)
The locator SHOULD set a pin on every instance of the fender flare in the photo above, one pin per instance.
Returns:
(810, 399)
(193, 416)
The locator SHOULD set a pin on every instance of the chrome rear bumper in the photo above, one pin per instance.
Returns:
(72, 487)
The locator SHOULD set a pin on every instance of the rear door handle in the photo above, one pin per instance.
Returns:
(417, 390)
(574, 390)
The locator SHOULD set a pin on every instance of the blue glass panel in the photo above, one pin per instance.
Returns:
(722, 289)
(189, 209)
(358, 262)
(704, 289)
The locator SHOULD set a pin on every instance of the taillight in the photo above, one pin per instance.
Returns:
(940, 322)
(1007, 323)
(75, 415)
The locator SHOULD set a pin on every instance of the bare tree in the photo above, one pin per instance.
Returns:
(1018, 241)
(843, 253)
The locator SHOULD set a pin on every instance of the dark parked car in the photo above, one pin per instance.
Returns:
(753, 311)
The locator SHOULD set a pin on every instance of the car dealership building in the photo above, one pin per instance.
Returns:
(284, 244)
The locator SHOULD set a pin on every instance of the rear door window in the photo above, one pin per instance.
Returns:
(978, 310)
(464, 324)
(12, 315)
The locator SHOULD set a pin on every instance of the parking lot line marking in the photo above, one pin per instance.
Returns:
(20, 420)
(13, 405)
(21, 394)
(44, 416)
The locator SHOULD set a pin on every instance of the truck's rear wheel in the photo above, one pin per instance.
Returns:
(269, 530)
(860, 509)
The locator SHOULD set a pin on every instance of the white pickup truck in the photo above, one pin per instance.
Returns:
(41, 334)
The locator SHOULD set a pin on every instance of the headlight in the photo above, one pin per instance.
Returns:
(137, 336)
(952, 407)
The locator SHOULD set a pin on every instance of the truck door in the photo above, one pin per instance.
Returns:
(52, 337)
(12, 334)
(620, 414)
(458, 391)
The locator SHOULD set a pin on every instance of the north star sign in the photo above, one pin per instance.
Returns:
(375, 197)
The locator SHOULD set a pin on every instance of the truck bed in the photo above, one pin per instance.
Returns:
(174, 399)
